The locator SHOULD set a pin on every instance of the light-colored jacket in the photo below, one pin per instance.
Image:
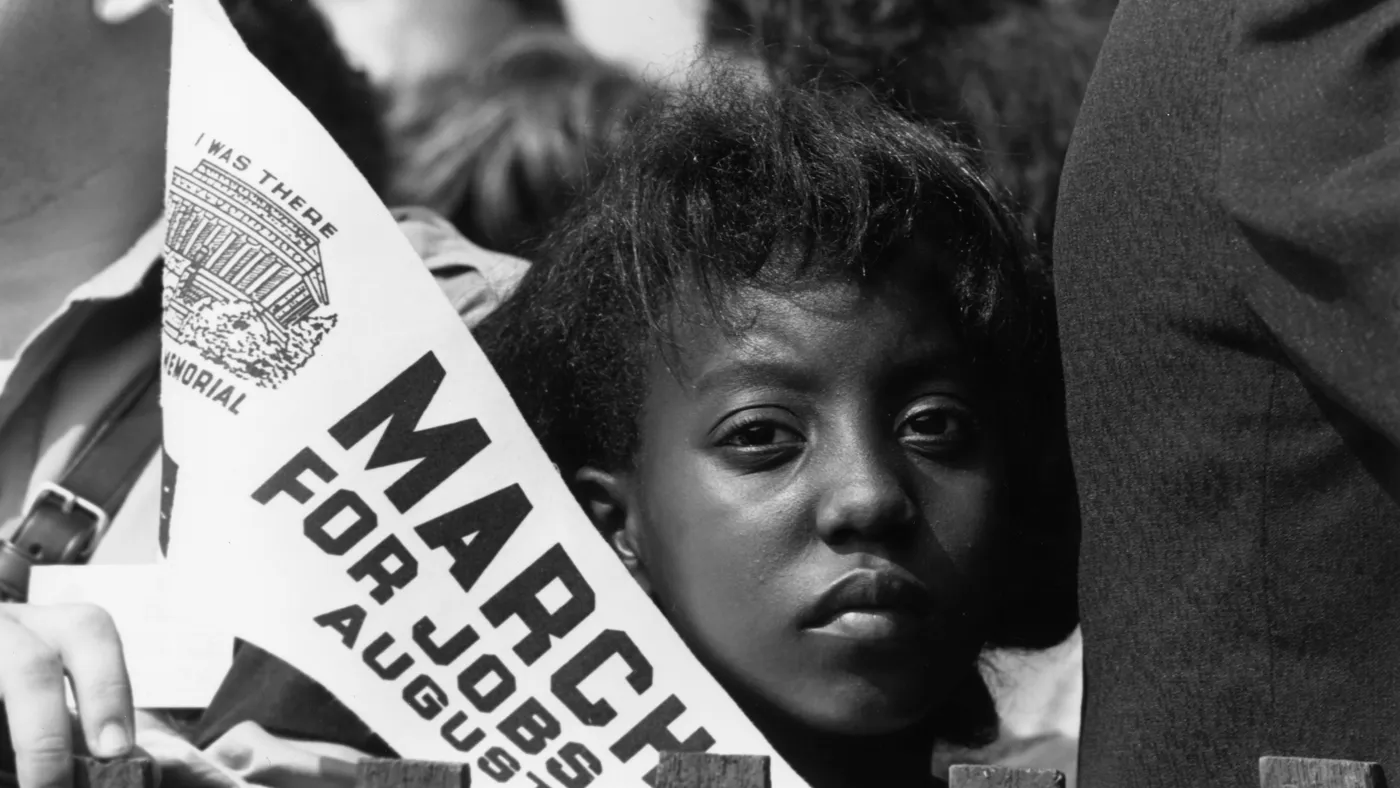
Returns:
(44, 418)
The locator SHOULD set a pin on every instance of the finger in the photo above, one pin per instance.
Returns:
(36, 707)
(259, 757)
(87, 641)
(180, 763)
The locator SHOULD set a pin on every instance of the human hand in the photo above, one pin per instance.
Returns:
(257, 757)
(42, 644)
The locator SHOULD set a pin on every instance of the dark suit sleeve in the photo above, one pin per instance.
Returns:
(1309, 171)
(262, 688)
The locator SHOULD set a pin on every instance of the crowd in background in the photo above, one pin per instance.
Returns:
(773, 283)
(873, 129)
(491, 109)
(491, 113)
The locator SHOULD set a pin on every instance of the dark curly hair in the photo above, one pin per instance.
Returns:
(728, 185)
(1006, 76)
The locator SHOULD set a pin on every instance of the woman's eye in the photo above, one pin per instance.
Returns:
(759, 434)
(935, 423)
(940, 428)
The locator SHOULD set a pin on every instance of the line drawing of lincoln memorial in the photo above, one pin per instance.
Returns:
(228, 242)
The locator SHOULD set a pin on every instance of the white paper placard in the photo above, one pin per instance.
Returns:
(354, 485)
(175, 657)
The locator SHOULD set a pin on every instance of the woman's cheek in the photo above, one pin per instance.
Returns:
(967, 521)
(716, 552)
(973, 540)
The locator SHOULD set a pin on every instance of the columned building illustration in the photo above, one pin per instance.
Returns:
(228, 241)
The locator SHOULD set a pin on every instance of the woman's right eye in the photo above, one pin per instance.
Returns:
(759, 443)
(759, 434)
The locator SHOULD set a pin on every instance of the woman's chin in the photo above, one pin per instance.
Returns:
(860, 709)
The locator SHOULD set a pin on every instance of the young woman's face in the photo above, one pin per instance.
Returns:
(812, 503)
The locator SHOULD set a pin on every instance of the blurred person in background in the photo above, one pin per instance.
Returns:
(400, 45)
(404, 44)
(1007, 76)
(658, 40)
(293, 41)
(82, 148)
(493, 108)
(504, 150)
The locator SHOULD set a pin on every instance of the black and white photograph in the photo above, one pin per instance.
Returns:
(699, 393)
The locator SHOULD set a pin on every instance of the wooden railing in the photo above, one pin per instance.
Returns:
(703, 770)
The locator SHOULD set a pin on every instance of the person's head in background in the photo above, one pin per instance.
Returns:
(294, 41)
(402, 44)
(797, 363)
(503, 151)
(1007, 74)
(82, 134)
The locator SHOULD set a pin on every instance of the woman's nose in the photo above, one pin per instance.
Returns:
(865, 499)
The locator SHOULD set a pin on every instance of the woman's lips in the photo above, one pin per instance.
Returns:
(871, 624)
(871, 605)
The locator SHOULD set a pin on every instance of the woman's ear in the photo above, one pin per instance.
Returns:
(608, 499)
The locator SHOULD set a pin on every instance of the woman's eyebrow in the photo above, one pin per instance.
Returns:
(911, 370)
(742, 372)
(941, 361)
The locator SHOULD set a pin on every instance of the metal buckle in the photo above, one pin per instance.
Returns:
(67, 502)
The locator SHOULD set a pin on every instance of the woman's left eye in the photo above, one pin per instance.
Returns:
(940, 427)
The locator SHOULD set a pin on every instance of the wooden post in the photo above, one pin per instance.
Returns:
(116, 773)
(1275, 772)
(704, 770)
(393, 773)
(1002, 777)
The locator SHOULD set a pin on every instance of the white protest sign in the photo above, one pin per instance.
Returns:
(174, 658)
(353, 486)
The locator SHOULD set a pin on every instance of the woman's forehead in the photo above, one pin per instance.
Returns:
(806, 329)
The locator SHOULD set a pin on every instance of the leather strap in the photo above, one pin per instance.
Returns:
(68, 518)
